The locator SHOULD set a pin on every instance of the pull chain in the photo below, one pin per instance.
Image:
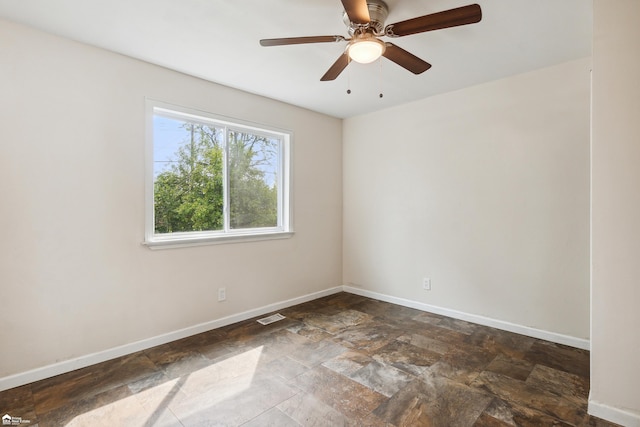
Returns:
(348, 77)
(380, 81)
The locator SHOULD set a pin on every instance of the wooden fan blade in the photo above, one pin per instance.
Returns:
(405, 59)
(337, 67)
(300, 40)
(449, 18)
(357, 11)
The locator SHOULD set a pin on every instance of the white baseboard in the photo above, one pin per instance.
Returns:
(614, 415)
(597, 409)
(474, 318)
(38, 374)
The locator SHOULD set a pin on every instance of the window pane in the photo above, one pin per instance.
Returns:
(253, 180)
(188, 176)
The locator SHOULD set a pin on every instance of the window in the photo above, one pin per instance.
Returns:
(210, 179)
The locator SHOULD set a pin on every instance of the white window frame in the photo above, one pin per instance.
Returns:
(284, 227)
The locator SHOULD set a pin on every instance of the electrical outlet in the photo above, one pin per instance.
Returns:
(222, 294)
(426, 284)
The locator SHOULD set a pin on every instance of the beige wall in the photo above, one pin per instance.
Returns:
(615, 292)
(74, 276)
(484, 190)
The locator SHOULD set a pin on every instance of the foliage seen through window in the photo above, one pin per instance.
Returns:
(201, 168)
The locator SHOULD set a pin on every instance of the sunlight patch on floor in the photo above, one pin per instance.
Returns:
(216, 383)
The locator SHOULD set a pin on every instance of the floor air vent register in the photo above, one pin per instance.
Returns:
(271, 319)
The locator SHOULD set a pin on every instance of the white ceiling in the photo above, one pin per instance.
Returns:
(217, 40)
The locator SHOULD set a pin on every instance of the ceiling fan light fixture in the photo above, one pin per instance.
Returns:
(366, 50)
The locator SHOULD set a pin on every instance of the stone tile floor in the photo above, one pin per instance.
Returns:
(339, 360)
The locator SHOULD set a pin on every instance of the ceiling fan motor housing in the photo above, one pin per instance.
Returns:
(378, 12)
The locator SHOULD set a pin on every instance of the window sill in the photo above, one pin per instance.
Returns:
(189, 241)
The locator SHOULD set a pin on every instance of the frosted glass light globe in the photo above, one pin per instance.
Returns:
(366, 50)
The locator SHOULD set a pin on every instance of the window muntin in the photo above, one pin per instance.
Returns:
(211, 179)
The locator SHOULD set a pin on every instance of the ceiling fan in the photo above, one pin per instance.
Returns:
(365, 24)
